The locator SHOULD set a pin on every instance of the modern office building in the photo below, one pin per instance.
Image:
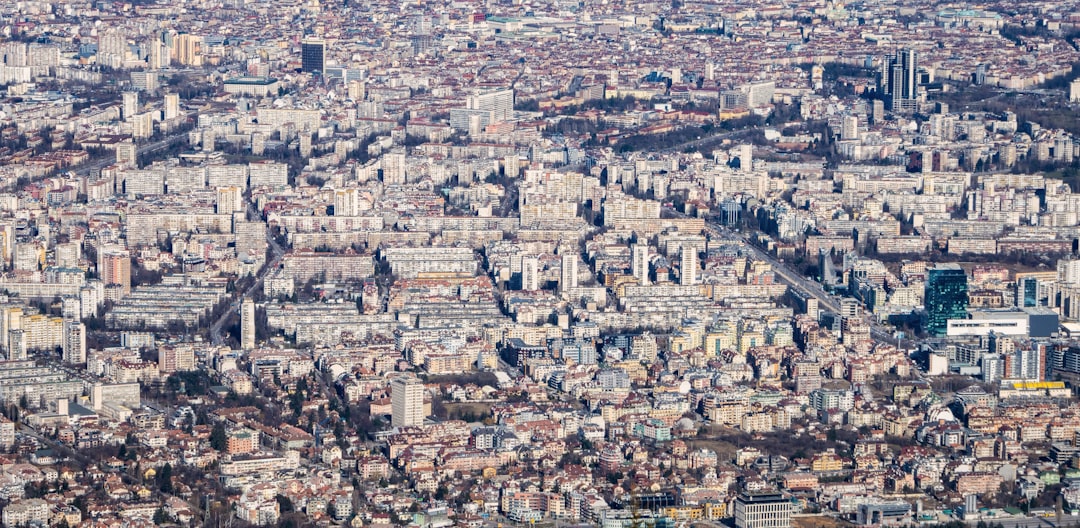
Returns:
(762, 510)
(898, 81)
(312, 55)
(407, 402)
(1027, 292)
(882, 513)
(946, 297)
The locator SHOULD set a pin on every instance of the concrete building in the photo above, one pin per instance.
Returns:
(7, 433)
(74, 342)
(407, 402)
(568, 274)
(114, 267)
(172, 106)
(688, 267)
(530, 273)
(639, 262)
(247, 325)
(26, 512)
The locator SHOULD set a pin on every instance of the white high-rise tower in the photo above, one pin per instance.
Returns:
(407, 402)
(639, 262)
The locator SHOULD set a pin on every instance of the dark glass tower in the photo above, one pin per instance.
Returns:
(946, 297)
(1027, 292)
(312, 51)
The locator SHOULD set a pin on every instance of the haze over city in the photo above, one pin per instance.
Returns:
(497, 263)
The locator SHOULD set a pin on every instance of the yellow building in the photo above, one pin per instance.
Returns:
(826, 462)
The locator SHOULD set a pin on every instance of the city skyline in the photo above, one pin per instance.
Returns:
(489, 264)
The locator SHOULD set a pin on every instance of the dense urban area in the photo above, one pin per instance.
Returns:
(487, 263)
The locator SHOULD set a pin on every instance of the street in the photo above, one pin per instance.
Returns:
(278, 252)
(799, 283)
(96, 166)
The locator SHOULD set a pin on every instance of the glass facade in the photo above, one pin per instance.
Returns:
(311, 55)
(1027, 291)
(946, 297)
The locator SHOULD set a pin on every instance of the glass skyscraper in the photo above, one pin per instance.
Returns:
(312, 52)
(1027, 292)
(946, 297)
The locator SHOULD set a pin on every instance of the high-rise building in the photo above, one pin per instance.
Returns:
(483, 108)
(112, 48)
(979, 78)
(74, 343)
(807, 376)
(1027, 363)
(422, 24)
(176, 358)
(639, 262)
(688, 266)
(407, 402)
(229, 199)
(145, 81)
(7, 433)
(157, 55)
(131, 105)
(898, 80)
(17, 348)
(172, 106)
(189, 49)
(114, 267)
(877, 111)
(1027, 292)
(347, 202)
(849, 129)
(10, 319)
(127, 154)
(993, 368)
(530, 273)
(568, 274)
(946, 297)
(312, 55)
(499, 102)
(746, 158)
(247, 325)
(357, 90)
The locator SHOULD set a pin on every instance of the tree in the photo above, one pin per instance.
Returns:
(218, 439)
(160, 517)
(164, 479)
(296, 402)
(285, 504)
